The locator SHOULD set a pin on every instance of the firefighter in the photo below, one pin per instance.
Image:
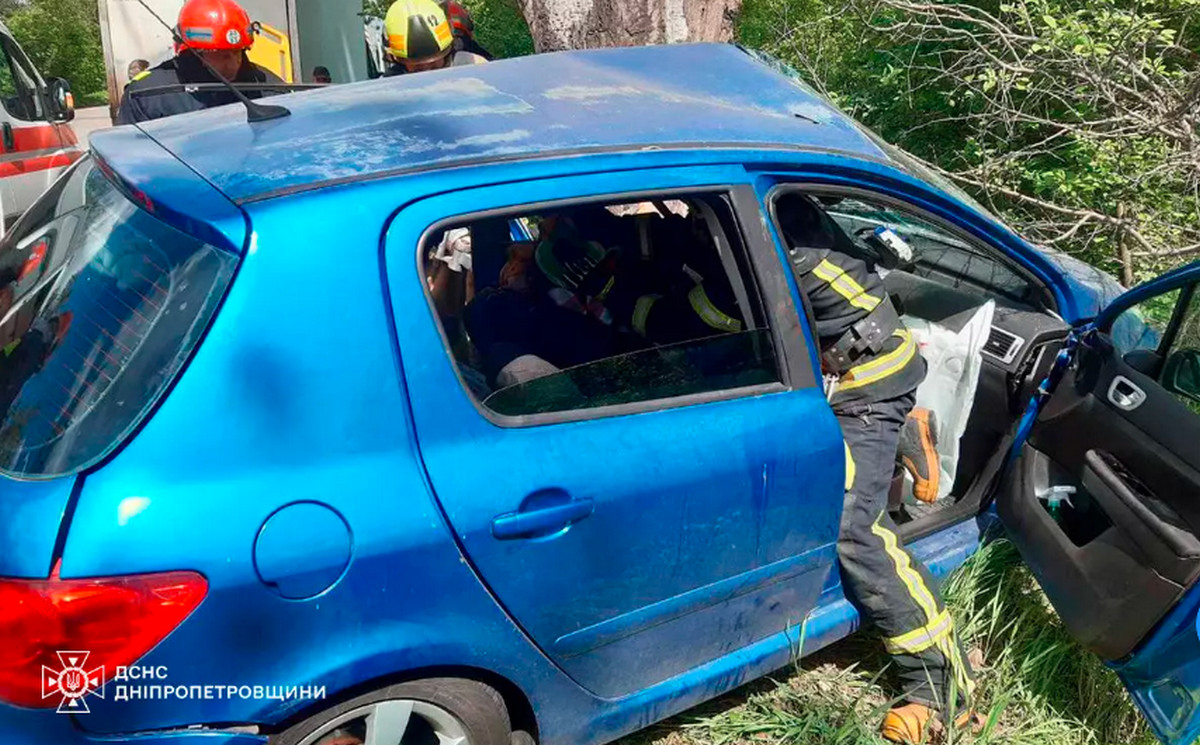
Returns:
(874, 367)
(663, 304)
(463, 26)
(419, 38)
(220, 32)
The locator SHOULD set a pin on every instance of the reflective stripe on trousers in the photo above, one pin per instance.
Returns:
(893, 591)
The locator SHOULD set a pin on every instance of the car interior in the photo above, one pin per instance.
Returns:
(944, 283)
(940, 280)
(1099, 509)
(524, 345)
(1101, 501)
(1120, 439)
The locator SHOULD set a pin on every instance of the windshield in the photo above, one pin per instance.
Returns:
(100, 305)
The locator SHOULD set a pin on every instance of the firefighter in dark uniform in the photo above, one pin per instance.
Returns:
(570, 301)
(666, 302)
(877, 368)
(220, 31)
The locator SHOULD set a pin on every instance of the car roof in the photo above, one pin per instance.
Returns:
(678, 96)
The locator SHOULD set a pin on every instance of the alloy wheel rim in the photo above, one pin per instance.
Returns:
(393, 722)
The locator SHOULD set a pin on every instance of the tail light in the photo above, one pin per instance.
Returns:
(115, 620)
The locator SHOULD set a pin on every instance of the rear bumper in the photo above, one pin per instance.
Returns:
(45, 727)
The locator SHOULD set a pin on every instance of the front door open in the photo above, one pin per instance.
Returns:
(1103, 500)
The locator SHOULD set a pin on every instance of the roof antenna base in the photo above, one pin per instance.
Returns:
(263, 112)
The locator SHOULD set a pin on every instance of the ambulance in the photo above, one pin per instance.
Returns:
(36, 142)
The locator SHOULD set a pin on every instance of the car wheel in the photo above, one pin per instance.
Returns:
(438, 711)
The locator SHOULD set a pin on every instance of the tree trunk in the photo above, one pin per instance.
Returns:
(579, 24)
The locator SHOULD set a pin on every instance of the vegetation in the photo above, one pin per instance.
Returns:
(1035, 688)
(62, 38)
(1074, 119)
(499, 25)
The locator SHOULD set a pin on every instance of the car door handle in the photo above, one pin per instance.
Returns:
(10, 142)
(1124, 394)
(541, 521)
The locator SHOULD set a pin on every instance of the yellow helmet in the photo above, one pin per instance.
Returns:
(417, 30)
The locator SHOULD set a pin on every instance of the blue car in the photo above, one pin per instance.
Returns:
(271, 475)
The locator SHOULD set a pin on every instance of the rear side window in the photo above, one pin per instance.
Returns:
(100, 305)
(601, 304)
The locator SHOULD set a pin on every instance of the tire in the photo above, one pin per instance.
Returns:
(521, 737)
(478, 710)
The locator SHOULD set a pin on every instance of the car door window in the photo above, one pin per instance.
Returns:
(616, 303)
(1160, 337)
(927, 250)
(18, 87)
(1141, 328)
(1181, 366)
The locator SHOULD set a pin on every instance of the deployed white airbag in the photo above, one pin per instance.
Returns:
(954, 360)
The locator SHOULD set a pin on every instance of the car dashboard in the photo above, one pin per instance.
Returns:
(1020, 348)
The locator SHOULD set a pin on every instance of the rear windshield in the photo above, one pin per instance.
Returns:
(100, 305)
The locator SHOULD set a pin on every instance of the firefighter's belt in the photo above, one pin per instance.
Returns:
(864, 338)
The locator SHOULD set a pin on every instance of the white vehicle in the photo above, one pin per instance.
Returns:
(36, 143)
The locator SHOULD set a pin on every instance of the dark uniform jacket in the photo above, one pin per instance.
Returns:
(139, 105)
(843, 290)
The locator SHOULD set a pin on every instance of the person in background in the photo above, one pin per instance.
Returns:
(216, 32)
(463, 26)
(419, 38)
(137, 67)
(320, 74)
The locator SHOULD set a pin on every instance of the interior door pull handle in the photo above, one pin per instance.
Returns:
(1124, 394)
(541, 521)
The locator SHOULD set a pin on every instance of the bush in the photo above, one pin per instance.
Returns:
(499, 26)
(62, 38)
(1072, 118)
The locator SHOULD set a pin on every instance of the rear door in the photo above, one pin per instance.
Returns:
(672, 514)
(1104, 499)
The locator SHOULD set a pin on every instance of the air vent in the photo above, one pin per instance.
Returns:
(1003, 345)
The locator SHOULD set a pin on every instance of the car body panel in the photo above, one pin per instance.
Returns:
(749, 465)
(313, 411)
(30, 515)
(662, 97)
(1163, 675)
(155, 179)
(308, 387)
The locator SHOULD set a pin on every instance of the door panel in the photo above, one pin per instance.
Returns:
(1127, 549)
(1117, 561)
(631, 544)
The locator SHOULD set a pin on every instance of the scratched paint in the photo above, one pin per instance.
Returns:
(628, 98)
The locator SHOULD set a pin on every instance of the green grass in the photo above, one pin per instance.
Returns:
(98, 98)
(1037, 685)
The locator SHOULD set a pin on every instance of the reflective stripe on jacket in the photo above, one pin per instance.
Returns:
(841, 291)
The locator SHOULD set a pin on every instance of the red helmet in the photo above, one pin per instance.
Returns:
(214, 24)
(460, 19)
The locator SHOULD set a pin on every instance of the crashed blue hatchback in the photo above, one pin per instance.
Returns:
(263, 486)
